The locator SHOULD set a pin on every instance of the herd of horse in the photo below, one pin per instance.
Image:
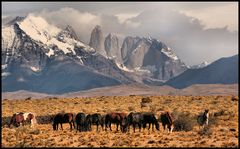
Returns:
(83, 122)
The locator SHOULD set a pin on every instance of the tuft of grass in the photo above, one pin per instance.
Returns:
(206, 131)
(131, 108)
(153, 108)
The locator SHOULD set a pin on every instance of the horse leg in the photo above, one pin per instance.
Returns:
(172, 126)
(163, 126)
(134, 127)
(139, 125)
(31, 125)
(149, 126)
(110, 126)
(117, 126)
(97, 126)
(70, 126)
(61, 126)
(73, 124)
(153, 127)
(105, 126)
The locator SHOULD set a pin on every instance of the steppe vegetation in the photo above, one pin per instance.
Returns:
(221, 132)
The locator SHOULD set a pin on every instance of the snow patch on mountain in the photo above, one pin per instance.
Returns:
(124, 68)
(4, 66)
(168, 52)
(4, 74)
(203, 64)
(35, 69)
(51, 52)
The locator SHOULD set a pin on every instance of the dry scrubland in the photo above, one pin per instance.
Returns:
(223, 131)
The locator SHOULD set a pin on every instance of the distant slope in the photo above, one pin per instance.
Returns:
(134, 89)
(59, 77)
(222, 71)
(210, 89)
(22, 94)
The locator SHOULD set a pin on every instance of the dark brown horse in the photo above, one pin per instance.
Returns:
(123, 122)
(22, 119)
(167, 119)
(117, 118)
(135, 119)
(149, 118)
(61, 118)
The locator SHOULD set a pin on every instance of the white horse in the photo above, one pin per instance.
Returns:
(29, 116)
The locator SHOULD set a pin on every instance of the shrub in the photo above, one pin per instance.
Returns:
(153, 108)
(234, 98)
(184, 122)
(143, 104)
(131, 108)
(146, 100)
(87, 102)
(219, 113)
(29, 98)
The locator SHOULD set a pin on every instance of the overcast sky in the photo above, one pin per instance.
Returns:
(197, 32)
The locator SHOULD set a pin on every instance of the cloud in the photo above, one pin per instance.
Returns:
(195, 31)
(221, 16)
(122, 17)
(82, 22)
(188, 36)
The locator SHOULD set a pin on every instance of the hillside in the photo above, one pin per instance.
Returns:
(222, 71)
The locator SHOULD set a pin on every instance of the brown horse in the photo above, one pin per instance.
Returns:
(123, 122)
(117, 118)
(61, 118)
(167, 119)
(21, 118)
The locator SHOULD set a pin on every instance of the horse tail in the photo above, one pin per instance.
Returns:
(33, 120)
(169, 117)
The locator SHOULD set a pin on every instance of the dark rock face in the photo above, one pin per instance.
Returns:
(97, 40)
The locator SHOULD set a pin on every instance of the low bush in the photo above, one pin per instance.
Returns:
(146, 100)
(184, 122)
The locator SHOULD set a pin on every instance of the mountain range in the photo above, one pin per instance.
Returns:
(40, 57)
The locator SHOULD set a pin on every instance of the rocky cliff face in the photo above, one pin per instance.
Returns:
(151, 56)
(37, 55)
(112, 47)
(97, 40)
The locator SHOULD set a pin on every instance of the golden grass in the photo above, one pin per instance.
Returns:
(224, 133)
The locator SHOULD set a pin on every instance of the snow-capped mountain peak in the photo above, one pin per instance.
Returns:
(38, 28)
(203, 64)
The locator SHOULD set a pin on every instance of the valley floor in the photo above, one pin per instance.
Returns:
(222, 133)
